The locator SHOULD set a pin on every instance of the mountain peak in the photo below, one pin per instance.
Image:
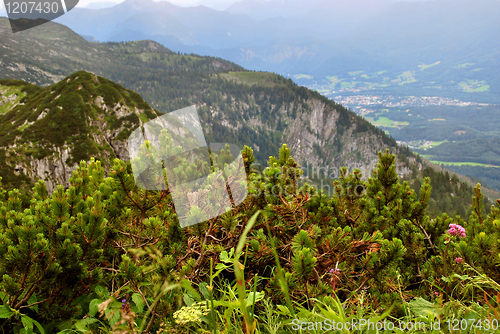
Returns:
(82, 116)
(145, 5)
(141, 2)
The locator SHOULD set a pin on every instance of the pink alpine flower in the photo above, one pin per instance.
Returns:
(335, 278)
(458, 260)
(334, 271)
(456, 230)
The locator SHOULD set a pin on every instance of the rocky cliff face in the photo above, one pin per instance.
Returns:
(324, 138)
(320, 133)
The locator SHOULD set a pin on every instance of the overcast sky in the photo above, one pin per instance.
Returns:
(185, 3)
(218, 4)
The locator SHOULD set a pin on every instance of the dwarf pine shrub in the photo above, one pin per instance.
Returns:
(106, 256)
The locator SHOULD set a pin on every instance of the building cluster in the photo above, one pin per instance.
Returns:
(417, 144)
(390, 101)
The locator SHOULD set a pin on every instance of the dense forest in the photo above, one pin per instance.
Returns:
(105, 256)
(489, 175)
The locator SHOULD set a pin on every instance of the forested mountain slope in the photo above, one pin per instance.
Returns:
(261, 110)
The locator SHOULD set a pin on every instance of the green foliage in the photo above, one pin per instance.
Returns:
(106, 256)
(52, 250)
(245, 100)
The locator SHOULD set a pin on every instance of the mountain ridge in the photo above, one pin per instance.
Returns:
(258, 109)
(50, 130)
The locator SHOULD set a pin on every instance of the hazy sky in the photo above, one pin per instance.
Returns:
(185, 3)
(220, 4)
(217, 4)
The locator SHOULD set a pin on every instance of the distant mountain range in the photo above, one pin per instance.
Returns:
(321, 38)
(101, 5)
(262, 9)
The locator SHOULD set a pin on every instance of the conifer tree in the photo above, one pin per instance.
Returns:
(52, 251)
(393, 209)
(481, 247)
